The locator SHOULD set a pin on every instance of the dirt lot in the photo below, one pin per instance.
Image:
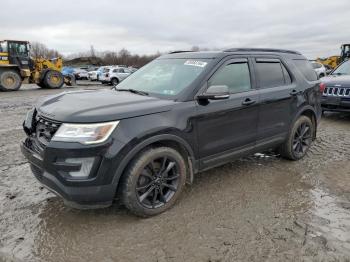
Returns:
(261, 208)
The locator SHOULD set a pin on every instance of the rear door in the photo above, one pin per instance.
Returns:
(278, 94)
(123, 73)
(227, 127)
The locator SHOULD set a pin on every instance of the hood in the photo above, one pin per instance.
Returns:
(91, 106)
(335, 80)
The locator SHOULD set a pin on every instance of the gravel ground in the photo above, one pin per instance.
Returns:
(260, 208)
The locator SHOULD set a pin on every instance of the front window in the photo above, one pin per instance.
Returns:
(165, 76)
(235, 76)
(19, 49)
(343, 69)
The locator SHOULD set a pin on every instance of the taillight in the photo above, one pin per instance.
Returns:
(322, 87)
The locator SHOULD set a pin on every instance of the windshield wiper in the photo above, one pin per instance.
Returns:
(143, 93)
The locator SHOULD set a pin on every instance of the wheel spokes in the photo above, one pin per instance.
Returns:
(171, 178)
(157, 182)
(144, 187)
(161, 196)
(169, 167)
(154, 197)
(146, 194)
(163, 164)
(171, 187)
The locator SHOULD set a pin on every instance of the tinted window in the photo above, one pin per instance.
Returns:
(270, 73)
(306, 69)
(19, 49)
(236, 76)
(121, 70)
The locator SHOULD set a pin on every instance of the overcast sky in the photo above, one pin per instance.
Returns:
(314, 27)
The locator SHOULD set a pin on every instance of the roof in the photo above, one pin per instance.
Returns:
(216, 54)
(20, 41)
(268, 50)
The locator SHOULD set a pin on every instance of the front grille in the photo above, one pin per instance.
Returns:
(45, 129)
(337, 91)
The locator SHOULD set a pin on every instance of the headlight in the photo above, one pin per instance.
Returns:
(85, 133)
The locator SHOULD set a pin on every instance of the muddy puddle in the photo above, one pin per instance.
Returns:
(260, 208)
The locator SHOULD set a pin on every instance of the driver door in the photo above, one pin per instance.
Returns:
(227, 128)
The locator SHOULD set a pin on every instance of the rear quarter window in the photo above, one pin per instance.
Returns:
(305, 67)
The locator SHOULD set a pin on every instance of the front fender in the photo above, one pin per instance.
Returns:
(157, 138)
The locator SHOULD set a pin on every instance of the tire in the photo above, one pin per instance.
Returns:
(53, 79)
(10, 80)
(146, 188)
(114, 81)
(299, 139)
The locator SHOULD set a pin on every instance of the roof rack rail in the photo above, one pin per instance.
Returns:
(180, 51)
(262, 50)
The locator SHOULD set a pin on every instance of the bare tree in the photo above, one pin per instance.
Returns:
(92, 51)
(38, 50)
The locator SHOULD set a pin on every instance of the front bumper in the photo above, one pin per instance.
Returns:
(337, 104)
(94, 191)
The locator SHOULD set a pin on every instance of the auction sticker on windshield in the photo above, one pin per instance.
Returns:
(195, 63)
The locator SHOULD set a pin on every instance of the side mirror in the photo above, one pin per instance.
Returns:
(216, 93)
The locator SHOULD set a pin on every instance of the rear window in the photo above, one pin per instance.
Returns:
(306, 69)
(272, 73)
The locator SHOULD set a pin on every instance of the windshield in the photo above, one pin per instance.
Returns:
(343, 69)
(165, 76)
(18, 48)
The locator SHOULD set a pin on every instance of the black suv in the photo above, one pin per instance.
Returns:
(183, 113)
(336, 94)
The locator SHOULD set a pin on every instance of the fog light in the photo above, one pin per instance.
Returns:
(86, 165)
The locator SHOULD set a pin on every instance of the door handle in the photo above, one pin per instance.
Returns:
(248, 102)
(294, 92)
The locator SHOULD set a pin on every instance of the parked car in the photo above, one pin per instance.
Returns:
(336, 95)
(117, 75)
(93, 75)
(103, 76)
(144, 139)
(81, 74)
(319, 68)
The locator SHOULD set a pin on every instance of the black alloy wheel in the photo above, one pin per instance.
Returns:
(158, 182)
(153, 181)
(302, 139)
(299, 139)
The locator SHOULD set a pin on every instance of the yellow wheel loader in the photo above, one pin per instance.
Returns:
(17, 67)
(334, 61)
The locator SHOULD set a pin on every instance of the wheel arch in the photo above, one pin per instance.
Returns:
(168, 140)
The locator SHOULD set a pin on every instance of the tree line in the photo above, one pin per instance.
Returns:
(121, 57)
